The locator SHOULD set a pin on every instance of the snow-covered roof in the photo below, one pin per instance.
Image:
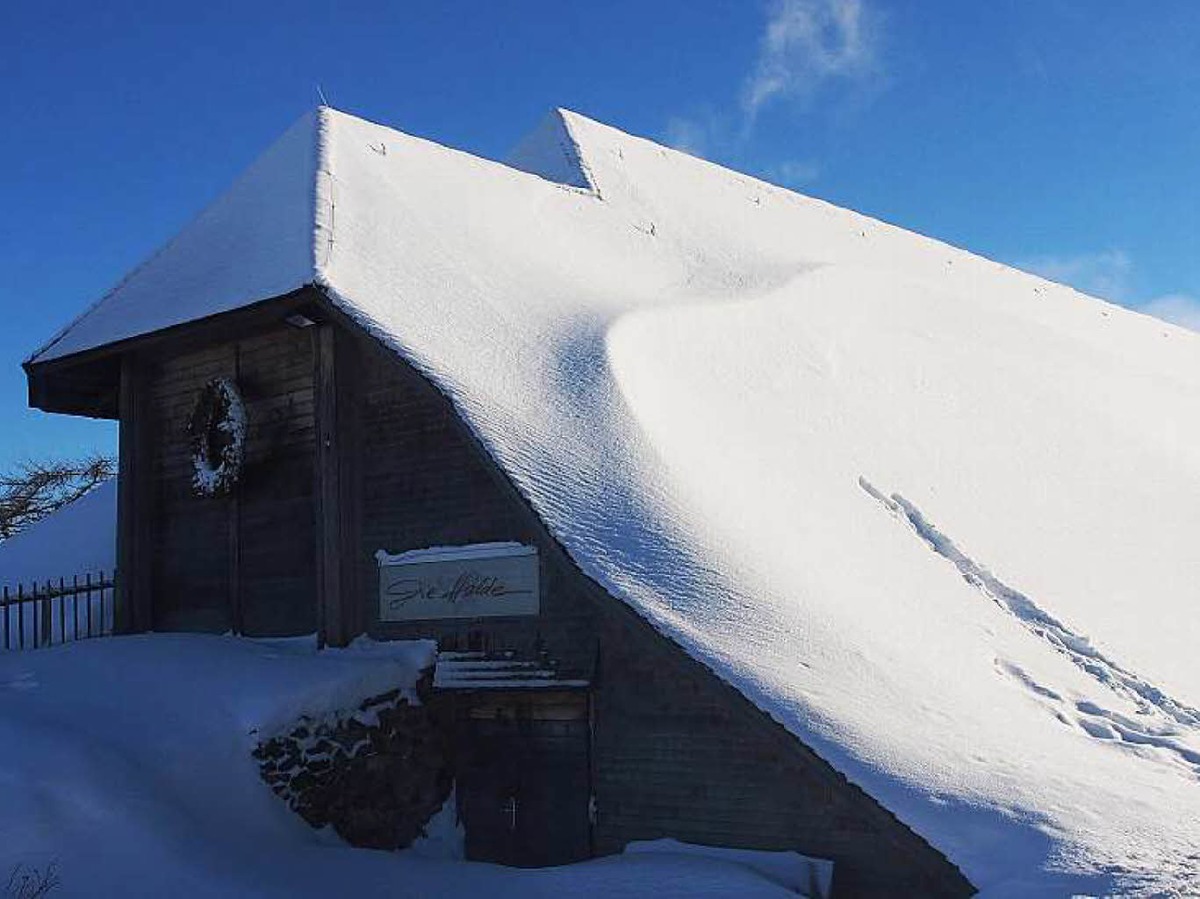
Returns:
(934, 515)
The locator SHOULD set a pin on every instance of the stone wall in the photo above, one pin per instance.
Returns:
(376, 775)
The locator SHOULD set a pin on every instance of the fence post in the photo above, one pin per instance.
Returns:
(6, 611)
(46, 607)
(20, 616)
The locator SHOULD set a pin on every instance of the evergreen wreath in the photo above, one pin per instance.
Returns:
(217, 429)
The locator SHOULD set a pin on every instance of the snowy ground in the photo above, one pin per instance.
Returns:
(125, 763)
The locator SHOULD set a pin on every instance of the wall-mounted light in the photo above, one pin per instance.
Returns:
(299, 320)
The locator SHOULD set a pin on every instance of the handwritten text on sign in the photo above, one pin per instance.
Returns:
(477, 581)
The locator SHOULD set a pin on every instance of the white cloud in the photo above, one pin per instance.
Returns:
(1109, 274)
(794, 172)
(1178, 308)
(1106, 274)
(688, 135)
(808, 43)
(805, 44)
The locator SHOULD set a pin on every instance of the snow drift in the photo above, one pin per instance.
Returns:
(856, 471)
(125, 769)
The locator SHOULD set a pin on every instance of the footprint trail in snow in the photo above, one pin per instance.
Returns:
(1163, 720)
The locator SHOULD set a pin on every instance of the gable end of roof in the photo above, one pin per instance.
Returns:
(551, 151)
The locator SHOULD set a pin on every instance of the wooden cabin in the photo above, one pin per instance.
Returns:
(285, 469)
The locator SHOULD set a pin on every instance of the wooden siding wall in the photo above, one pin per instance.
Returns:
(676, 752)
(245, 561)
(680, 753)
(426, 483)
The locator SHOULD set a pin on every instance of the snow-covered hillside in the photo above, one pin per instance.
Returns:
(78, 539)
(125, 770)
(935, 515)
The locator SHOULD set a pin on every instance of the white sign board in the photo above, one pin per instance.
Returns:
(483, 580)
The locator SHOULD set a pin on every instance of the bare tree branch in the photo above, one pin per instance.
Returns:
(35, 489)
(31, 882)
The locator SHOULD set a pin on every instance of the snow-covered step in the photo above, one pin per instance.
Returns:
(498, 671)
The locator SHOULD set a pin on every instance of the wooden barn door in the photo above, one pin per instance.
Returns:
(274, 514)
(242, 561)
(191, 553)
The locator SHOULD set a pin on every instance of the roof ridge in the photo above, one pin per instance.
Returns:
(553, 151)
(323, 193)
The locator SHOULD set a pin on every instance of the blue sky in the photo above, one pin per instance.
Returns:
(1059, 136)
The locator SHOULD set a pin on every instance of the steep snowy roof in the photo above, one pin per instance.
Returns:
(934, 515)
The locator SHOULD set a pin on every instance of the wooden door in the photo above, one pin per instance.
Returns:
(524, 789)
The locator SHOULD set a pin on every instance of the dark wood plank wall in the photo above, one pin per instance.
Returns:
(135, 497)
(680, 753)
(425, 482)
(243, 562)
(277, 519)
(677, 752)
(191, 539)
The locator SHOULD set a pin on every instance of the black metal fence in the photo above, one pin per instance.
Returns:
(57, 611)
